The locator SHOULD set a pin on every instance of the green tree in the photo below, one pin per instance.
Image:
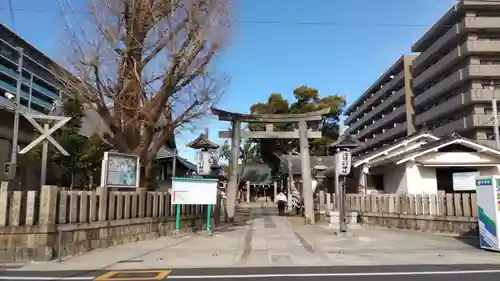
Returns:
(247, 155)
(307, 99)
(85, 154)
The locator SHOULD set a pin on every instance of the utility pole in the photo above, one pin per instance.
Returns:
(15, 133)
(495, 116)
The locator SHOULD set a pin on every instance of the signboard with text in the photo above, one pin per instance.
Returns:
(204, 163)
(343, 163)
(120, 170)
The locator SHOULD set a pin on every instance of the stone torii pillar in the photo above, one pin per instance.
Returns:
(303, 133)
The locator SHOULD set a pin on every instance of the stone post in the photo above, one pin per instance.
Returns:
(4, 206)
(322, 208)
(247, 197)
(48, 205)
(275, 186)
(103, 203)
(45, 242)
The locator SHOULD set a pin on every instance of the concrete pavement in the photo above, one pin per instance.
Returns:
(269, 241)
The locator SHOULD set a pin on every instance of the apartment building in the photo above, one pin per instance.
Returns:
(457, 73)
(383, 113)
(39, 91)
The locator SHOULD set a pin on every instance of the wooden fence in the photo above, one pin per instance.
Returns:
(451, 204)
(23, 208)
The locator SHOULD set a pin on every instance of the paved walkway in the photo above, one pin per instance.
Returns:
(270, 240)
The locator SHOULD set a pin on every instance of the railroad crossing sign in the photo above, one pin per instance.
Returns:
(45, 138)
(45, 131)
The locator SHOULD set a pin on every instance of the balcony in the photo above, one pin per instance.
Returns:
(467, 24)
(463, 99)
(384, 137)
(481, 95)
(471, 71)
(440, 110)
(479, 120)
(434, 49)
(384, 120)
(469, 47)
(446, 129)
(387, 87)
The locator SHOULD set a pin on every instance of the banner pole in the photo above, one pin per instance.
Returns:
(209, 211)
(177, 218)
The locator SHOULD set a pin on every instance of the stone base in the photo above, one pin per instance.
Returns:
(333, 217)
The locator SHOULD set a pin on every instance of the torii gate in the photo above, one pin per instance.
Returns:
(303, 134)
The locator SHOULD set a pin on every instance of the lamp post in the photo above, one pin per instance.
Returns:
(342, 170)
(320, 169)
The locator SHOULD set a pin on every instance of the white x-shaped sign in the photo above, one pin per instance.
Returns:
(46, 132)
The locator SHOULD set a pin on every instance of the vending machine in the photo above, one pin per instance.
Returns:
(488, 211)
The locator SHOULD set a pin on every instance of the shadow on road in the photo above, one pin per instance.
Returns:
(470, 238)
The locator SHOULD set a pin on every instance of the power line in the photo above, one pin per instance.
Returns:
(262, 22)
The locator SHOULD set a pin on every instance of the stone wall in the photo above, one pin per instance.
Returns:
(39, 226)
(452, 212)
(448, 224)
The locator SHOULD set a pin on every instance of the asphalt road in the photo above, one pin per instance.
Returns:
(351, 273)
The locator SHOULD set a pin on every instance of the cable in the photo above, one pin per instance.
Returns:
(12, 18)
(264, 22)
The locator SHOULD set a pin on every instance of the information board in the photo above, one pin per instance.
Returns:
(465, 181)
(120, 170)
(190, 191)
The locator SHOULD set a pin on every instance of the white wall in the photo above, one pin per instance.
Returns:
(409, 178)
(395, 179)
(421, 180)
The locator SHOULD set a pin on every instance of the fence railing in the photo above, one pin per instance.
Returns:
(52, 205)
(441, 204)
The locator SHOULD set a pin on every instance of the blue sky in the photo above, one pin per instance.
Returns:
(342, 56)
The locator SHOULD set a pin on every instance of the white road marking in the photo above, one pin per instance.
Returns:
(345, 274)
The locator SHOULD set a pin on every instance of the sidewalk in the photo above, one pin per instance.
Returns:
(271, 240)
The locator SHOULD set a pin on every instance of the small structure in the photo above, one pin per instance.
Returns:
(423, 164)
(206, 165)
(166, 159)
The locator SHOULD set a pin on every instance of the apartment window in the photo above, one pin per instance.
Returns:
(488, 110)
(489, 62)
(490, 84)
(489, 37)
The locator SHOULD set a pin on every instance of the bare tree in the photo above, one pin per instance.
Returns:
(143, 66)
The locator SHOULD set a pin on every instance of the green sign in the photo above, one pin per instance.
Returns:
(487, 181)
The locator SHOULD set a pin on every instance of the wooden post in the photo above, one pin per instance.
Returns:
(233, 174)
(306, 173)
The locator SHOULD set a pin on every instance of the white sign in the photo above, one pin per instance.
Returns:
(343, 163)
(204, 163)
(465, 181)
(120, 170)
(189, 191)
